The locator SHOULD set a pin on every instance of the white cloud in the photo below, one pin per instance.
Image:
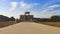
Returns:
(53, 6)
(13, 6)
(27, 6)
(46, 12)
(22, 5)
(50, 2)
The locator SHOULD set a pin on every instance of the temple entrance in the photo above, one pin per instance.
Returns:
(27, 18)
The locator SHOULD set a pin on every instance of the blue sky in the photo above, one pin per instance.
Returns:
(39, 8)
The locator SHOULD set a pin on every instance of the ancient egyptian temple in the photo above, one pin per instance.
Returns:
(26, 17)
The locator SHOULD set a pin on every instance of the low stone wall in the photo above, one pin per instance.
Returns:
(6, 23)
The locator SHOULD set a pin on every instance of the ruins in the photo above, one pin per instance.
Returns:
(5, 18)
(26, 17)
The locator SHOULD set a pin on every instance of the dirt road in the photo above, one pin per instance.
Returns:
(29, 28)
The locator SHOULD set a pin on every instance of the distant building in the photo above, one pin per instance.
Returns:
(5, 18)
(26, 17)
(12, 19)
(55, 18)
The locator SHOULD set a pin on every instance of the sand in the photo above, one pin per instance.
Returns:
(29, 28)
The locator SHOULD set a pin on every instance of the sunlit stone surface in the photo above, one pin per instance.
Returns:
(29, 28)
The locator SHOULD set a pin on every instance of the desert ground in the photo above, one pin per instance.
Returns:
(29, 28)
(55, 24)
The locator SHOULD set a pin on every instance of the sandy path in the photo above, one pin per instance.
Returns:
(29, 28)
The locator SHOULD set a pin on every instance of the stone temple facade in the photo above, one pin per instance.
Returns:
(26, 17)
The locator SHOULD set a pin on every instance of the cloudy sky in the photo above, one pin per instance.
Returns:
(39, 8)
